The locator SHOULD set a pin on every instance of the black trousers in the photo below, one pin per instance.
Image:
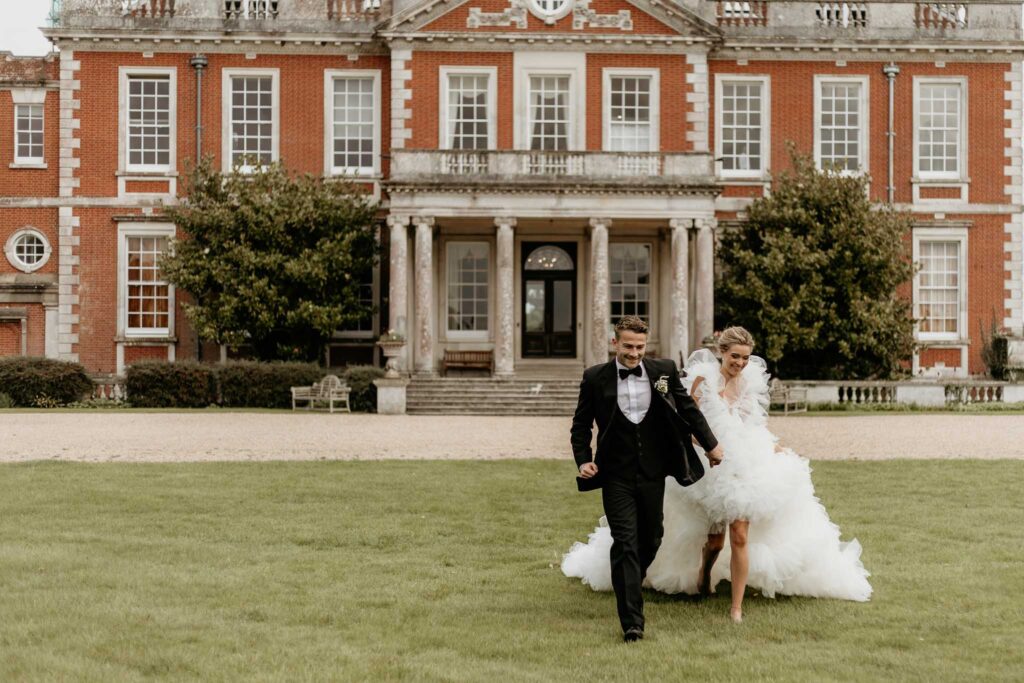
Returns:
(633, 506)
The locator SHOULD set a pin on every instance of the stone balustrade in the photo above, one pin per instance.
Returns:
(508, 165)
(306, 15)
(917, 392)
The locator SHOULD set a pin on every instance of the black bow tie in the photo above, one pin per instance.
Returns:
(624, 372)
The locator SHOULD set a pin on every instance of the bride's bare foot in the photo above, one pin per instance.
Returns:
(736, 614)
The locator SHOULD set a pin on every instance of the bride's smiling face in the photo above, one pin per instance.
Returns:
(734, 359)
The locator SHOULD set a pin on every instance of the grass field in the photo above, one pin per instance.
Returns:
(449, 571)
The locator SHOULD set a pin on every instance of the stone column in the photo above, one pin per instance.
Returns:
(679, 335)
(598, 291)
(398, 281)
(705, 308)
(423, 351)
(504, 331)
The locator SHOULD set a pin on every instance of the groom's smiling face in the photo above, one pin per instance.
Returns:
(630, 347)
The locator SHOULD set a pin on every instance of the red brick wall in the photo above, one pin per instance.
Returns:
(643, 23)
(134, 354)
(673, 106)
(10, 332)
(792, 117)
(14, 219)
(29, 182)
(426, 93)
(949, 357)
(301, 124)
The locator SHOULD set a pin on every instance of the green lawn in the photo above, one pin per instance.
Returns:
(449, 571)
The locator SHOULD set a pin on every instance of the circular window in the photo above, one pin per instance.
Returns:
(27, 250)
(551, 10)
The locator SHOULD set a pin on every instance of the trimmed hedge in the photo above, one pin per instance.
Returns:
(238, 384)
(38, 381)
(364, 392)
(252, 384)
(159, 384)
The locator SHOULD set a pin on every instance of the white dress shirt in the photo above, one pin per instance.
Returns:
(634, 393)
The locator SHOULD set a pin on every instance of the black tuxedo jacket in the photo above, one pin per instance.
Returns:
(598, 403)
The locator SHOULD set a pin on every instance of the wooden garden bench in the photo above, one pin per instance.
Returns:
(328, 391)
(480, 360)
(792, 399)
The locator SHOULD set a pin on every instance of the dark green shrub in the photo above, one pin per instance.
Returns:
(263, 385)
(26, 380)
(364, 393)
(158, 384)
(6, 401)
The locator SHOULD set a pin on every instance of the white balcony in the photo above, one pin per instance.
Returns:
(496, 168)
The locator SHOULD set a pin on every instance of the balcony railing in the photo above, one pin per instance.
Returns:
(842, 14)
(525, 166)
(742, 13)
(147, 8)
(250, 9)
(941, 15)
(199, 14)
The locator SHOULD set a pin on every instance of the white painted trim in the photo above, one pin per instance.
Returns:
(13, 239)
(491, 72)
(468, 335)
(654, 141)
(28, 162)
(329, 77)
(766, 121)
(571, 64)
(28, 95)
(863, 153)
(123, 74)
(124, 231)
(962, 174)
(943, 234)
(225, 110)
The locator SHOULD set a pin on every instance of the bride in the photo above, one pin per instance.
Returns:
(781, 540)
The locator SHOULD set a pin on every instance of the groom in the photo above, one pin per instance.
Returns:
(645, 420)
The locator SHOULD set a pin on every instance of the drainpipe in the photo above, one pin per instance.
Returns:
(199, 62)
(891, 71)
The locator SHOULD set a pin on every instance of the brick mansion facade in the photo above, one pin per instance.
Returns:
(543, 166)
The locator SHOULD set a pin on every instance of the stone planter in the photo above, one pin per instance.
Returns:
(391, 350)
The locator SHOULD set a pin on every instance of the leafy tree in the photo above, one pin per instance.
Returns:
(273, 261)
(814, 275)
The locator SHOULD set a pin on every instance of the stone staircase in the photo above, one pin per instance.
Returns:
(488, 396)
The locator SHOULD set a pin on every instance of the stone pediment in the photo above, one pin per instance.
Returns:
(580, 17)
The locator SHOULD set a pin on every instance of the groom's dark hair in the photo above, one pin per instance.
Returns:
(633, 324)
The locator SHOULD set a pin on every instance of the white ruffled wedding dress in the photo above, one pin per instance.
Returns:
(794, 548)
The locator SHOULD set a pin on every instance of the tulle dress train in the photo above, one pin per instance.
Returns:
(793, 546)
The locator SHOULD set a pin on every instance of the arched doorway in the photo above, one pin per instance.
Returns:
(549, 300)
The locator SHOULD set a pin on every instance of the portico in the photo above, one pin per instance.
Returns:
(539, 279)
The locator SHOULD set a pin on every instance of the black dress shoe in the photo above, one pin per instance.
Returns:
(633, 634)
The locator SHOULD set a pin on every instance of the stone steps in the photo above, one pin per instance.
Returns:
(488, 396)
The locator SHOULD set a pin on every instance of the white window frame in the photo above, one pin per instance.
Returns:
(961, 174)
(124, 232)
(9, 249)
(651, 284)
(28, 97)
(329, 168)
(654, 141)
(942, 234)
(492, 102)
(766, 109)
(225, 106)
(124, 73)
(863, 153)
(574, 65)
(469, 335)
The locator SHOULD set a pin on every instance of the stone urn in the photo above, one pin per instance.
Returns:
(391, 349)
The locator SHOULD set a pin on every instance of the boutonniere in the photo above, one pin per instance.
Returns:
(662, 384)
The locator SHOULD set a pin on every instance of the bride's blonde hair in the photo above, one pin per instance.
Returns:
(732, 336)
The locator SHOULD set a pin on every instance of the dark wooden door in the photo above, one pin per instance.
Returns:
(549, 300)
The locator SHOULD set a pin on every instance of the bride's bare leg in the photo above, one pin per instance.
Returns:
(739, 566)
(709, 554)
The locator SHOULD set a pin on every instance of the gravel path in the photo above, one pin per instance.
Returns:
(167, 437)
